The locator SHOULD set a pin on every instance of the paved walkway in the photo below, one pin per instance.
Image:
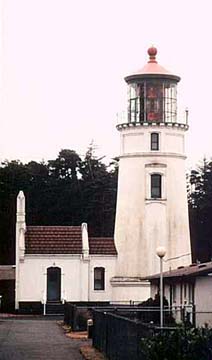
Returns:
(36, 339)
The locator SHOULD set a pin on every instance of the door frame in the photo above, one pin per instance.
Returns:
(58, 270)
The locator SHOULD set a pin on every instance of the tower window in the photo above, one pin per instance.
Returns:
(99, 278)
(156, 186)
(154, 141)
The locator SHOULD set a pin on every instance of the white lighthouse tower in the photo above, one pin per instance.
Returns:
(152, 207)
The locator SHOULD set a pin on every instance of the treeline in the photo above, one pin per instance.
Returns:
(70, 190)
(66, 191)
(200, 211)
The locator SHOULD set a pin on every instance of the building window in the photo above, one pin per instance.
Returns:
(152, 101)
(99, 278)
(154, 141)
(173, 296)
(156, 186)
(191, 294)
(185, 292)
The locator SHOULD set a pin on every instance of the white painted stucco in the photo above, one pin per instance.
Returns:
(129, 290)
(77, 270)
(108, 262)
(203, 300)
(77, 280)
(142, 223)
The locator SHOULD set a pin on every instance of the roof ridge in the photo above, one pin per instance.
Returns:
(101, 237)
(54, 226)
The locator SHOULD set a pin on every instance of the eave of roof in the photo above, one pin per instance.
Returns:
(190, 271)
(7, 272)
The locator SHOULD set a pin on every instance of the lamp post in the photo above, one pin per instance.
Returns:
(161, 251)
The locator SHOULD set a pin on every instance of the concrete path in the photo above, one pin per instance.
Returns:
(36, 339)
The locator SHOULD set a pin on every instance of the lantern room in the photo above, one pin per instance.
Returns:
(152, 94)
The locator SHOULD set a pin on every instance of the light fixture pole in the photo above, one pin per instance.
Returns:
(161, 251)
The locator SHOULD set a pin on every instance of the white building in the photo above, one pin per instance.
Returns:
(63, 263)
(60, 263)
(188, 291)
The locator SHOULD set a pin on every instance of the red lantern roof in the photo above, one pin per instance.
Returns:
(152, 69)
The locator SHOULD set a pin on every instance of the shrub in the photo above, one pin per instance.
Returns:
(153, 315)
(178, 344)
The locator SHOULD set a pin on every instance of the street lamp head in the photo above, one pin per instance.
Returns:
(161, 251)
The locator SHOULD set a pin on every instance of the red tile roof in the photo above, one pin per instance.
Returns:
(102, 246)
(64, 240)
(53, 240)
(152, 68)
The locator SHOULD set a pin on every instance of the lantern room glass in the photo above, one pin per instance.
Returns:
(152, 101)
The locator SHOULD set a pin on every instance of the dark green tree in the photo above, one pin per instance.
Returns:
(64, 191)
(92, 167)
(66, 165)
(200, 210)
(99, 186)
(13, 176)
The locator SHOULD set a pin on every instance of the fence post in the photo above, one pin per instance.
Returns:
(194, 315)
(137, 340)
(75, 318)
(106, 332)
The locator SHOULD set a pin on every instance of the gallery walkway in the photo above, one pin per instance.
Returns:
(36, 339)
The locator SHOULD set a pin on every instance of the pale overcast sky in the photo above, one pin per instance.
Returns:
(63, 62)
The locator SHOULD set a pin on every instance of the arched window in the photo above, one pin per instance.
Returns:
(156, 186)
(99, 278)
(154, 141)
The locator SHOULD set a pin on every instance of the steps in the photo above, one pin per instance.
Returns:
(54, 308)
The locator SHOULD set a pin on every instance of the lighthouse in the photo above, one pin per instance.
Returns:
(152, 208)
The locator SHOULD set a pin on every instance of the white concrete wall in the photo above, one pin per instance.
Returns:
(143, 223)
(77, 282)
(131, 292)
(109, 264)
(137, 139)
(203, 300)
(33, 277)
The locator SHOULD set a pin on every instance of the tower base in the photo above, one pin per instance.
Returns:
(130, 289)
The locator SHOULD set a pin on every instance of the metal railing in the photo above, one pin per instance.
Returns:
(118, 337)
(122, 117)
(117, 331)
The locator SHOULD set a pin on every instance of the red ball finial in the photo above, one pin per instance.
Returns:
(152, 52)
